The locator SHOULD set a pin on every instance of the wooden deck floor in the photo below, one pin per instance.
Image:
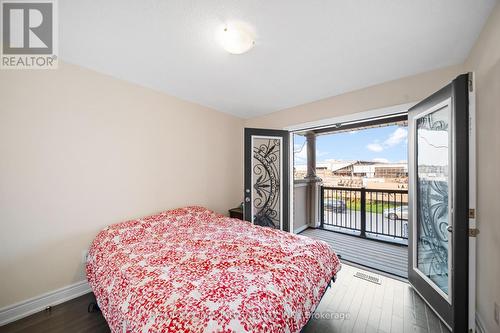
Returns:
(385, 257)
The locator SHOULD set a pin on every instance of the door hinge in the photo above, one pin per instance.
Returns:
(473, 232)
(472, 213)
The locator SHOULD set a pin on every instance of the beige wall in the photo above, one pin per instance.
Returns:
(409, 89)
(484, 60)
(299, 206)
(80, 150)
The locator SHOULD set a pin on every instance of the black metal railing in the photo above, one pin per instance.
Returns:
(367, 211)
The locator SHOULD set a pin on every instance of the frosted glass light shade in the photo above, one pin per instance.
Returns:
(236, 38)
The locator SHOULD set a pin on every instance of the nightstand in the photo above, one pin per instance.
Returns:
(236, 213)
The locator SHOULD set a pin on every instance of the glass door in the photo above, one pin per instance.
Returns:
(438, 189)
(267, 178)
(433, 252)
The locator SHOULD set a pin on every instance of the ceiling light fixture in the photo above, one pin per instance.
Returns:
(236, 38)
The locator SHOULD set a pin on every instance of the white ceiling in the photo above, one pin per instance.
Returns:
(305, 49)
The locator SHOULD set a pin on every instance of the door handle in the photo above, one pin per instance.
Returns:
(247, 199)
(449, 228)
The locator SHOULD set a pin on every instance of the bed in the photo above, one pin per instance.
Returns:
(193, 270)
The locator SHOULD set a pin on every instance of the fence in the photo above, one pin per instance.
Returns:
(368, 211)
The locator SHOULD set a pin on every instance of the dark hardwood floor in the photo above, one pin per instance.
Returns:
(350, 305)
(68, 317)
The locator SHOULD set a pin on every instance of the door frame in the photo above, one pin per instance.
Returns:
(446, 301)
(472, 200)
(358, 117)
(412, 194)
(457, 312)
(291, 185)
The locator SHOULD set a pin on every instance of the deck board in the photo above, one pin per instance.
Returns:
(385, 257)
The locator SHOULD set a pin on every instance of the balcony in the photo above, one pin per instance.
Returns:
(359, 207)
(368, 213)
(368, 227)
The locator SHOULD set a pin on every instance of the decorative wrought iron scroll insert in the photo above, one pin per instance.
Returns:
(433, 236)
(266, 187)
(433, 194)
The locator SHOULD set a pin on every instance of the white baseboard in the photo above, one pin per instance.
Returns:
(33, 305)
(300, 229)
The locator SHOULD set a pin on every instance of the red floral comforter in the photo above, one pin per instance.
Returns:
(192, 270)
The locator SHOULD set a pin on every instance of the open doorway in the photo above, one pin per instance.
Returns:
(357, 179)
(441, 211)
(435, 234)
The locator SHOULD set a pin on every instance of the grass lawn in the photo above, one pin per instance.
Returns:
(371, 206)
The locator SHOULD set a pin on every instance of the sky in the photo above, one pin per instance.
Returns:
(383, 144)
